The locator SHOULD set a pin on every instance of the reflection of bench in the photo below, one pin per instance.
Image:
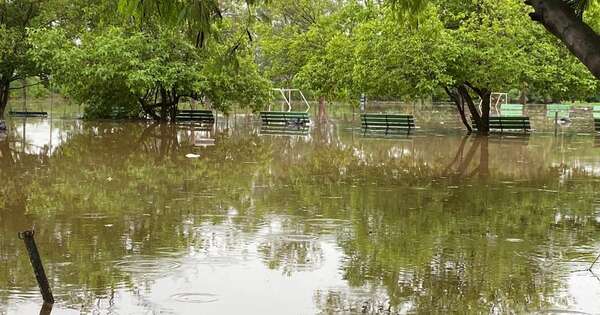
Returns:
(28, 114)
(388, 123)
(285, 118)
(560, 109)
(203, 116)
(508, 123)
(596, 114)
(283, 130)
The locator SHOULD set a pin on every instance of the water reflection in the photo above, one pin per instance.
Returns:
(329, 223)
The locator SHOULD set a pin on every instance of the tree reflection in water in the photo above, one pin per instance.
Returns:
(425, 224)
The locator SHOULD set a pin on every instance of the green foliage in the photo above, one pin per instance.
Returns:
(117, 69)
(367, 48)
(15, 17)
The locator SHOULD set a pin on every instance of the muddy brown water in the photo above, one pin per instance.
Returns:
(134, 218)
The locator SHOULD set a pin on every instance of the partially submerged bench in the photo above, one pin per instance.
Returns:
(201, 116)
(387, 123)
(596, 113)
(285, 118)
(27, 114)
(508, 124)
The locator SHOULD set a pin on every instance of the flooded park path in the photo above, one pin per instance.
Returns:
(135, 218)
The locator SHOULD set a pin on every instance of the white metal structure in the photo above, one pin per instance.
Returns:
(501, 98)
(287, 98)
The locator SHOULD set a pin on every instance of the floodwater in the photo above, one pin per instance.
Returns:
(134, 218)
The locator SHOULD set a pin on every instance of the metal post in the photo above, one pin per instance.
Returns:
(36, 263)
(555, 123)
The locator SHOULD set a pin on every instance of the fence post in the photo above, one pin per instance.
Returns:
(36, 263)
(555, 123)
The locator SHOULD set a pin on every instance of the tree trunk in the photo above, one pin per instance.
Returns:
(464, 93)
(460, 105)
(560, 19)
(4, 92)
(485, 111)
(322, 110)
(148, 109)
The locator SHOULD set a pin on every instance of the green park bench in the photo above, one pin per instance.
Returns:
(596, 113)
(561, 109)
(189, 115)
(285, 118)
(27, 114)
(508, 124)
(387, 123)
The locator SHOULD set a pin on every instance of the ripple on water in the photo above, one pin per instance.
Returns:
(196, 298)
(327, 224)
(299, 238)
(93, 216)
(147, 265)
(20, 295)
(558, 311)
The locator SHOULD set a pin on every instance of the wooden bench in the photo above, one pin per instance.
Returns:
(27, 114)
(596, 113)
(387, 123)
(508, 123)
(285, 118)
(561, 109)
(203, 116)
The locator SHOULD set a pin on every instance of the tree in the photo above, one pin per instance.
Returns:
(149, 72)
(470, 52)
(562, 18)
(15, 17)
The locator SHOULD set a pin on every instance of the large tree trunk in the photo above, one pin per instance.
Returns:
(478, 119)
(485, 111)
(560, 19)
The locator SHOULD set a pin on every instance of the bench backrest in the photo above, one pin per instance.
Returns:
(203, 115)
(388, 120)
(508, 123)
(28, 114)
(284, 117)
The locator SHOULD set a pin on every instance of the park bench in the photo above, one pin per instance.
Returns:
(189, 115)
(596, 113)
(561, 109)
(285, 118)
(387, 123)
(27, 114)
(508, 124)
